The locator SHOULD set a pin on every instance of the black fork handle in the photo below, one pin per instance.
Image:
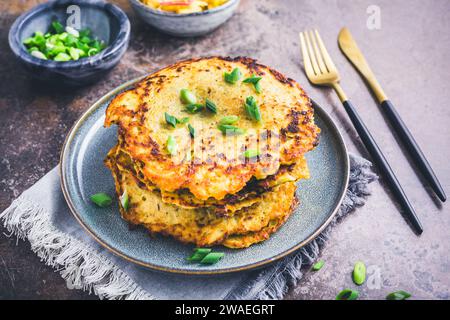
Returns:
(413, 148)
(383, 166)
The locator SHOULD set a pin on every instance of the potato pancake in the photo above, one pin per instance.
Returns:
(212, 165)
(241, 241)
(246, 197)
(198, 226)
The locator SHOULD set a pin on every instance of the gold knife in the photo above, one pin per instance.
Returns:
(353, 53)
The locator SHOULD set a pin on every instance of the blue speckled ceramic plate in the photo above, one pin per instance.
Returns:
(83, 174)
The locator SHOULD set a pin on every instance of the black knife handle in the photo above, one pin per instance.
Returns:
(383, 166)
(413, 148)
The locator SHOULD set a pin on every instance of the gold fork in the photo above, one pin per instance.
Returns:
(321, 70)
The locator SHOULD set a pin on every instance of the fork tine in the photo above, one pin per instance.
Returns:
(306, 59)
(312, 55)
(319, 57)
(326, 57)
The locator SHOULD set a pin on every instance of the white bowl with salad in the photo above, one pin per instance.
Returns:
(185, 18)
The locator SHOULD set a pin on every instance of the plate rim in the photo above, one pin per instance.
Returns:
(259, 264)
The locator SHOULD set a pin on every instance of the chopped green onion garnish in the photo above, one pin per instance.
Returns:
(194, 108)
(85, 40)
(229, 120)
(212, 258)
(199, 254)
(205, 256)
(125, 201)
(347, 294)
(252, 108)
(255, 81)
(85, 33)
(101, 199)
(62, 57)
(187, 97)
(173, 121)
(211, 106)
(172, 145)
(92, 52)
(170, 119)
(251, 153)
(191, 131)
(230, 130)
(183, 120)
(57, 27)
(233, 77)
(398, 295)
(359, 273)
(38, 54)
(72, 31)
(62, 44)
(317, 266)
(75, 53)
(257, 86)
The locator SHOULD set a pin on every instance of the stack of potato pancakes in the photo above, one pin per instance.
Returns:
(209, 150)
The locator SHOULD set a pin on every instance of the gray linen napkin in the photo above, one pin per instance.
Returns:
(41, 216)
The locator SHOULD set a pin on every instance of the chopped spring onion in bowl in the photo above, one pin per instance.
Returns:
(63, 44)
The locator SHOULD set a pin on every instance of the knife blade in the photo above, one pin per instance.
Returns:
(353, 53)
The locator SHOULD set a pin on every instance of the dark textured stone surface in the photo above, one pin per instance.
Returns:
(411, 57)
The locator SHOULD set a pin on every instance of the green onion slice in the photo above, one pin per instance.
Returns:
(172, 145)
(187, 97)
(92, 52)
(257, 87)
(347, 294)
(199, 254)
(57, 27)
(38, 54)
(255, 81)
(398, 295)
(61, 57)
(229, 120)
(183, 120)
(211, 106)
(125, 201)
(359, 273)
(191, 131)
(101, 199)
(74, 53)
(233, 76)
(252, 108)
(72, 31)
(251, 153)
(194, 108)
(170, 119)
(317, 266)
(212, 258)
(230, 130)
(85, 33)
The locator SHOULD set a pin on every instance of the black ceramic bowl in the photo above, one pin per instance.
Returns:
(107, 22)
